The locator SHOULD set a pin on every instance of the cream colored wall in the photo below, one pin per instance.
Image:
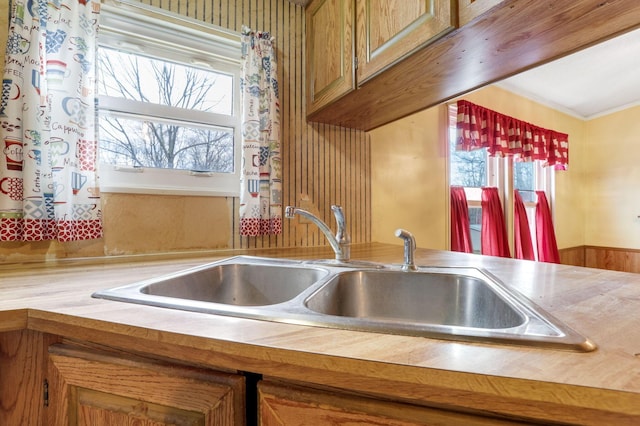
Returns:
(612, 179)
(409, 171)
(409, 190)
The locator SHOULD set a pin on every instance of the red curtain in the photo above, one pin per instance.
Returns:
(479, 127)
(494, 232)
(523, 245)
(460, 229)
(545, 234)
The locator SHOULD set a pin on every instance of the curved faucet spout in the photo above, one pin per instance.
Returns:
(340, 243)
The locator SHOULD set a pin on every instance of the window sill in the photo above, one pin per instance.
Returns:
(187, 192)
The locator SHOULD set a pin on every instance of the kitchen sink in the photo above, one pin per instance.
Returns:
(454, 303)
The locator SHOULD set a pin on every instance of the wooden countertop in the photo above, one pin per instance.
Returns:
(587, 388)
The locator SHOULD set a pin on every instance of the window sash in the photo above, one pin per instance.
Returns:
(147, 31)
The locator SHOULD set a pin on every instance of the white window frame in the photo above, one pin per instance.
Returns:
(140, 29)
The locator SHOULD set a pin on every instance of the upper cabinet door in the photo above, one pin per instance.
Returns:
(389, 30)
(330, 51)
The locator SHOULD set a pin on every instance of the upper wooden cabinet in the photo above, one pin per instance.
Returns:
(386, 32)
(389, 30)
(329, 51)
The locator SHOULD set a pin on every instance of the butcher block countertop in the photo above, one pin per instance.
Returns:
(599, 387)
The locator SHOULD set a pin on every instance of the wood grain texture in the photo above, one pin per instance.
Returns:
(600, 387)
(90, 387)
(390, 30)
(285, 404)
(22, 374)
(329, 51)
(612, 258)
(503, 42)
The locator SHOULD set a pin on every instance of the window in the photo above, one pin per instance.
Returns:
(169, 114)
(475, 169)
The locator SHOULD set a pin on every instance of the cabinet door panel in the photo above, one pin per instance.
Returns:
(284, 404)
(389, 30)
(330, 51)
(94, 388)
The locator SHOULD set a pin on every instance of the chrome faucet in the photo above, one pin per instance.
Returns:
(409, 249)
(341, 242)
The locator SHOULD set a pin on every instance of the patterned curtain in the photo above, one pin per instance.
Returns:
(479, 127)
(261, 175)
(47, 169)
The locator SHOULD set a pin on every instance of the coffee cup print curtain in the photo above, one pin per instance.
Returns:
(48, 181)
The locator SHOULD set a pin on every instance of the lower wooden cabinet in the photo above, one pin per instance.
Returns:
(98, 388)
(282, 404)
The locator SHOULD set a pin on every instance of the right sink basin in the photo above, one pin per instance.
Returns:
(450, 303)
(429, 298)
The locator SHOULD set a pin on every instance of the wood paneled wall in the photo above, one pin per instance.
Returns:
(326, 164)
(609, 258)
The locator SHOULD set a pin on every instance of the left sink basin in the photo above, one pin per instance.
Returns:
(241, 282)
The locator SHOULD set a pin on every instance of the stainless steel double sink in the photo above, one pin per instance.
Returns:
(454, 303)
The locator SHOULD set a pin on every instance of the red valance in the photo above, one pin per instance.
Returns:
(479, 127)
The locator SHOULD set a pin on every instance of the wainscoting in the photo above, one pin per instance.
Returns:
(611, 258)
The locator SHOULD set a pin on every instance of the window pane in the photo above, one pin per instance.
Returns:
(475, 223)
(162, 144)
(467, 168)
(135, 77)
(524, 179)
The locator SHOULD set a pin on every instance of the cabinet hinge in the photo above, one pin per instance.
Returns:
(355, 62)
(45, 393)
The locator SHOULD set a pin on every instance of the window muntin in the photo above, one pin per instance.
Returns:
(168, 91)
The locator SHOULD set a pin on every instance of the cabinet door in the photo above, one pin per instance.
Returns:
(389, 30)
(95, 388)
(330, 51)
(281, 404)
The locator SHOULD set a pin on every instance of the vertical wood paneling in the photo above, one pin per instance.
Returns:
(329, 164)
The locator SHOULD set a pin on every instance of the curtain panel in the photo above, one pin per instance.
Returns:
(523, 246)
(48, 182)
(494, 240)
(545, 233)
(460, 227)
(479, 127)
(261, 174)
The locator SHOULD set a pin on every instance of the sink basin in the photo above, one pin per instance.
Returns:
(457, 303)
(428, 298)
(236, 284)
(240, 281)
